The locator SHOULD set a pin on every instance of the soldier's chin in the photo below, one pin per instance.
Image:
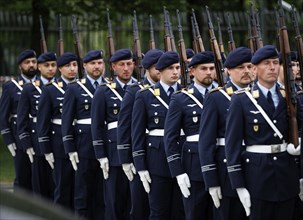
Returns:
(30, 73)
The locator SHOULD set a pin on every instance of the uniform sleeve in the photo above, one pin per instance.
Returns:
(208, 134)
(172, 128)
(139, 125)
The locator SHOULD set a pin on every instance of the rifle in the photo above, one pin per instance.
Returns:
(215, 48)
(257, 41)
(289, 82)
(60, 41)
(299, 42)
(42, 40)
(171, 33)
(250, 40)
(195, 46)
(220, 41)
(137, 49)
(182, 53)
(110, 43)
(152, 44)
(198, 37)
(260, 41)
(77, 47)
(167, 39)
(231, 42)
(277, 27)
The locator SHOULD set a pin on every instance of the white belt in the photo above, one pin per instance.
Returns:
(85, 121)
(182, 132)
(267, 149)
(57, 121)
(192, 138)
(14, 116)
(112, 125)
(221, 142)
(160, 132)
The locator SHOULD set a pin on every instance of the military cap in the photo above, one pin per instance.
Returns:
(66, 58)
(25, 55)
(201, 58)
(166, 59)
(293, 56)
(189, 53)
(48, 56)
(151, 57)
(122, 54)
(266, 52)
(237, 57)
(93, 55)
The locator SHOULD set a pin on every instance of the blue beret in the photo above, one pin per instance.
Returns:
(203, 57)
(168, 58)
(48, 56)
(93, 55)
(266, 52)
(237, 57)
(293, 56)
(66, 58)
(189, 53)
(25, 55)
(151, 57)
(122, 54)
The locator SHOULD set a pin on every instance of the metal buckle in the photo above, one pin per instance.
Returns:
(276, 148)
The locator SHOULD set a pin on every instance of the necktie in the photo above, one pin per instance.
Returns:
(124, 87)
(96, 84)
(270, 102)
(171, 91)
(206, 91)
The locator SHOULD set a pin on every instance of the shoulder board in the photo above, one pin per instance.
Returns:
(282, 91)
(176, 92)
(241, 91)
(144, 89)
(104, 84)
(215, 89)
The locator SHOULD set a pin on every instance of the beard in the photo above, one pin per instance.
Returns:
(30, 73)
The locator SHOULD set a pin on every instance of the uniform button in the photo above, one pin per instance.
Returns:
(194, 112)
(85, 100)
(14, 122)
(60, 104)
(178, 142)
(247, 160)
(156, 113)
(115, 104)
(274, 158)
(224, 161)
(109, 140)
(149, 144)
(53, 132)
(188, 150)
(80, 130)
(33, 131)
(37, 102)
(255, 120)
(275, 121)
(275, 135)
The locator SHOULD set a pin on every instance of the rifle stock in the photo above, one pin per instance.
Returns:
(137, 49)
(77, 47)
(167, 38)
(231, 42)
(43, 46)
(152, 44)
(60, 40)
(220, 41)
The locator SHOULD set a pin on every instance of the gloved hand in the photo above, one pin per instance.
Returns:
(301, 189)
(50, 159)
(129, 170)
(30, 152)
(145, 178)
(12, 148)
(292, 150)
(216, 195)
(184, 184)
(74, 159)
(245, 199)
(104, 164)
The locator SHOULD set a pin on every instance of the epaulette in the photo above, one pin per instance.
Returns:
(104, 84)
(20, 82)
(145, 89)
(215, 89)
(282, 91)
(240, 91)
(176, 92)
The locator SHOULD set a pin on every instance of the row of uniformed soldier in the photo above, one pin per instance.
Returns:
(154, 137)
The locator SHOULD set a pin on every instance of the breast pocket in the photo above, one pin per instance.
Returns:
(156, 118)
(114, 107)
(256, 125)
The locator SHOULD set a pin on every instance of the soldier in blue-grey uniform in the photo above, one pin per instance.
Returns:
(263, 173)
(105, 109)
(77, 139)
(149, 112)
(212, 136)
(184, 113)
(49, 123)
(11, 92)
(27, 125)
(139, 199)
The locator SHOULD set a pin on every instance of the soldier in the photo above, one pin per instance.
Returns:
(105, 109)
(139, 199)
(11, 92)
(49, 130)
(149, 112)
(184, 113)
(27, 121)
(77, 140)
(189, 55)
(212, 133)
(263, 173)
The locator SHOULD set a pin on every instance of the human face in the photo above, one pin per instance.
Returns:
(204, 73)
(267, 72)
(29, 67)
(94, 68)
(295, 69)
(153, 74)
(242, 74)
(69, 70)
(171, 74)
(124, 69)
(48, 69)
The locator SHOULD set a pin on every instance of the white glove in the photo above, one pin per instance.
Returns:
(104, 164)
(292, 150)
(245, 199)
(30, 152)
(184, 184)
(12, 148)
(146, 180)
(301, 189)
(129, 170)
(74, 159)
(50, 159)
(216, 195)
